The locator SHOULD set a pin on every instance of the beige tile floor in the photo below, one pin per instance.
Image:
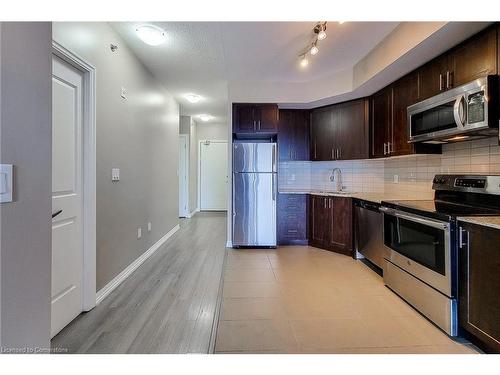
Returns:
(306, 300)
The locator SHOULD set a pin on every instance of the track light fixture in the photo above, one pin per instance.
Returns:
(320, 34)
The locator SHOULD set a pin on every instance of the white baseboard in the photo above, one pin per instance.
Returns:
(122, 276)
(191, 214)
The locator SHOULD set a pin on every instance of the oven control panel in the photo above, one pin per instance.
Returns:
(476, 183)
(468, 183)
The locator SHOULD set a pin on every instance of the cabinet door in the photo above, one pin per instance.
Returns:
(322, 135)
(476, 58)
(293, 134)
(432, 77)
(405, 93)
(353, 136)
(340, 225)
(301, 136)
(266, 116)
(243, 118)
(285, 135)
(381, 120)
(479, 285)
(318, 218)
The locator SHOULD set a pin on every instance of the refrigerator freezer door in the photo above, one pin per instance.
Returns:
(254, 209)
(254, 157)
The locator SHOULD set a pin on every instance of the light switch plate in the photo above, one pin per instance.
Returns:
(115, 174)
(6, 184)
(396, 179)
(149, 227)
(123, 93)
(139, 233)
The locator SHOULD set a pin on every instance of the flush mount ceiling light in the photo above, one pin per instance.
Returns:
(150, 34)
(193, 98)
(205, 118)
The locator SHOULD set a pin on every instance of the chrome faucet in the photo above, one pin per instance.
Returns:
(336, 177)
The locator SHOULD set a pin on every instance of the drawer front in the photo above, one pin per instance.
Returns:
(292, 219)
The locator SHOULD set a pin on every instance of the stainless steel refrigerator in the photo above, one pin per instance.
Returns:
(254, 194)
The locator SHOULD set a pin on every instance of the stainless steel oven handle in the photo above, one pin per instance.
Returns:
(415, 218)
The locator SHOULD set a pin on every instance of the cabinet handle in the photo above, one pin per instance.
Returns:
(292, 230)
(259, 124)
(389, 148)
(324, 202)
(448, 80)
(385, 148)
(329, 202)
(254, 123)
(332, 155)
(315, 149)
(462, 238)
(440, 82)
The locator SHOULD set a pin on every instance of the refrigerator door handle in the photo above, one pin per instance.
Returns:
(274, 158)
(274, 186)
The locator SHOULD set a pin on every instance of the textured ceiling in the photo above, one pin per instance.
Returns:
(202, 57)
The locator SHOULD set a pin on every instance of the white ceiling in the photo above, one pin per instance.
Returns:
(202, 57)
(261, 58)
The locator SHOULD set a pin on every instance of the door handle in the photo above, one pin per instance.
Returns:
(57, 213)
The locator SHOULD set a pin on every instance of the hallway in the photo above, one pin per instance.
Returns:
(168, 305)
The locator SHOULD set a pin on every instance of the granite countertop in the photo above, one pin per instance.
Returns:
(488, 221)
(371, 197)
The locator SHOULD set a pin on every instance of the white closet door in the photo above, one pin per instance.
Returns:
(213, 176)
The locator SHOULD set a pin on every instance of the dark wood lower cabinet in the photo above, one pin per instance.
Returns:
(330, 223)
(479, 285)
(292, 219)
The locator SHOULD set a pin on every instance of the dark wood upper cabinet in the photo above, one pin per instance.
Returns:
(243, 119)
(266, 116)
(255, 118)
(476, 58)
(321, 134)
(432, 77)
(380, 122)
(404, 94)
(353, 137)
(293, 134)
(340, 131)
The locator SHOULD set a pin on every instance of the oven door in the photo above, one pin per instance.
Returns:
(421, 246)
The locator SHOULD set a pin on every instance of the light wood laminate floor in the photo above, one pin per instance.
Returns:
(306, 300)
(168, 305)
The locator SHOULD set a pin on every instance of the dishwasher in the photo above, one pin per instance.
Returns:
(368, 232)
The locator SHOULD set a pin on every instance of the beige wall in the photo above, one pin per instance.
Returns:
(139, 135)
(25, 226)
(212, 131)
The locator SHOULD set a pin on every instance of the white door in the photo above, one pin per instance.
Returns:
(213, 176)
(67, 161)
(183, 176)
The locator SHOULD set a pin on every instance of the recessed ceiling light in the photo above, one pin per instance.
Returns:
(193, 98)
(150, 34)
(205, 118)
(341, 22)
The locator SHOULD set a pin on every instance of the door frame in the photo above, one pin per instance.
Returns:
(88, 170)
(200, 143)
(186, 187)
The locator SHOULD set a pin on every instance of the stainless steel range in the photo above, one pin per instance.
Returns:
(422, 240)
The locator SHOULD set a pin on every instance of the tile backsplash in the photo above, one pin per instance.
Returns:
(405, 177)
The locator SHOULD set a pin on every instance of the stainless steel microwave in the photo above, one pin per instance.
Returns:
(465, 112)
